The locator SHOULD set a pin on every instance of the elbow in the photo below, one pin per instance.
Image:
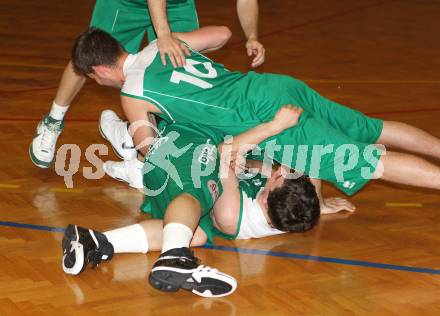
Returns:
(225, 35)
(226, 220)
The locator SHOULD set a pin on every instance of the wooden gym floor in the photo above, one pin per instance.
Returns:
(380, 57)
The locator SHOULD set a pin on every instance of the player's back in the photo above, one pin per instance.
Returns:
(204, 92)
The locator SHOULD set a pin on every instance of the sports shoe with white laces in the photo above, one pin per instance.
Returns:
(129, 171)
(114, 130)
(82, 246)
(42, 148)
(178, 269)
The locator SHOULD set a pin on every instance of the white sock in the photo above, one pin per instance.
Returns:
(176, 235)
(128, 239)
(57, 111)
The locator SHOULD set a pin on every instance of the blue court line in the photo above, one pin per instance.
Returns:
(324, 259)
(31, 226)
(267, 253)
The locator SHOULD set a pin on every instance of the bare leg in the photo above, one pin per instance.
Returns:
(69, 87)
(407, 137)
(43, 147)
(185, 210)
(408, 169)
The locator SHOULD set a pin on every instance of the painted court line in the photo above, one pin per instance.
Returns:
(324, 259)
(32, 226)
(267, 253)
(66, 190)
(9, 186)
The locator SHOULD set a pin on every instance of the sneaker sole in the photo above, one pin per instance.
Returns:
(36, 161)
(168, 281)
(160, 280)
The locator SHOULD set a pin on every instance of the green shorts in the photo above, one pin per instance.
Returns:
(127, 21)
(331, 142)
(183, 160)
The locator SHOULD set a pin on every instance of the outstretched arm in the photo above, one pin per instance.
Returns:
(166, 42)
(247, 11)
(333, 204)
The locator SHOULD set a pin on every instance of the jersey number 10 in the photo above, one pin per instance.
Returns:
(194, 78)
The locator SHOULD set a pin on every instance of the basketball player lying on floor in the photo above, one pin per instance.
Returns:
(331, 142)
(180, 200)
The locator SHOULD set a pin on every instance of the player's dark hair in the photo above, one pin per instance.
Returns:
(294, 207)
(94, 48)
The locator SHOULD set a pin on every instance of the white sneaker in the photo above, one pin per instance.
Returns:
(42, 148)
(129, 171)
(113, 129)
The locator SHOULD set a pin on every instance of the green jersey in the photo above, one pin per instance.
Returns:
(204, 91)
(229, 103)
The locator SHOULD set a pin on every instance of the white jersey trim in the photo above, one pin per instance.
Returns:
(184, 99)
(134, 72)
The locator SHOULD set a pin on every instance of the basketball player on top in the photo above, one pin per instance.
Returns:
(128, 21)
(326, 139)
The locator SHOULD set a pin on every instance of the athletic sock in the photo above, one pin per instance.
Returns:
(57, 112)
(128, 239)
(176, 235)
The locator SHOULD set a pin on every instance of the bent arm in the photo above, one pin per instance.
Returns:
(286, 117)
(226, 210)
(207, 38)
(142, 123)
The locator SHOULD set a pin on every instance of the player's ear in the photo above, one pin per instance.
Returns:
(100, 70)
(264, 204)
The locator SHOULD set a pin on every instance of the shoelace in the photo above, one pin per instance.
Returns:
(50, 132)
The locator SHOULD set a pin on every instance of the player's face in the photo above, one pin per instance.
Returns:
(106, 77)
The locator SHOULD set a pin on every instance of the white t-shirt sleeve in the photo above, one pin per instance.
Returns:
(253, 223)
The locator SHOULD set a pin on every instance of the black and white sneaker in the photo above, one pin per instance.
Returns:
(82, 246)
(179, 269)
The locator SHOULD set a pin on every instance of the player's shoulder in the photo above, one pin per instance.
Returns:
(135, 68)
